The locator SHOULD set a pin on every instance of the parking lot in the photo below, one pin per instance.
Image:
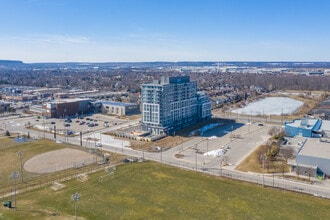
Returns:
(83, 124)
(239, 143)
(67, 126)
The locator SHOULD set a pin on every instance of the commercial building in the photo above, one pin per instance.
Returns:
(172, 103)
(308, 127)
(62, 108)
(119, 108)
(4, 106)
(305, 127)
(313, 158)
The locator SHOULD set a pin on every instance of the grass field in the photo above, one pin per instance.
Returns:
(10, 162)
(155, 191)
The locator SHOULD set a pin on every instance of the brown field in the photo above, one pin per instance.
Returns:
(253, 164)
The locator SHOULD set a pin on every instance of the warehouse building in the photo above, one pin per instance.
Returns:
(313, 158)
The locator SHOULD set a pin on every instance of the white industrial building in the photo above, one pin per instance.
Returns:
(313, 158)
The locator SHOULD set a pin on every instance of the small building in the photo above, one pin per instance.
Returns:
(119, 108)
(305, 127)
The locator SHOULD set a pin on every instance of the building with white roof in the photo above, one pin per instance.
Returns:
(313, 158)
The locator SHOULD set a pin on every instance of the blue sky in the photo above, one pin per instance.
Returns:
(164, 30)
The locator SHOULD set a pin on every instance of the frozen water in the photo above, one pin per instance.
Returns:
(270, 106)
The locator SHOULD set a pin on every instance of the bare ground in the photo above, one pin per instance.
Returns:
(58, 160)
(172, 141)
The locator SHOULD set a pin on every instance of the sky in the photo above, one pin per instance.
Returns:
(164, 30)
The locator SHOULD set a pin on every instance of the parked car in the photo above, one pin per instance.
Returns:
(68, 120)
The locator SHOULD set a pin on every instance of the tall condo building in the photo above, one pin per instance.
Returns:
(172, 103)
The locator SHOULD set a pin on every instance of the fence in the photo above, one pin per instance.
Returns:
(42, 180)
(266, 180)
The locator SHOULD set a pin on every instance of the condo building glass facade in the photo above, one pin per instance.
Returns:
(172, 103)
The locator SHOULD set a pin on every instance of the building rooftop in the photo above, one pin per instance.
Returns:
(325, 126)
(306, 123)
(124, 104)
(315, 147)
(68, 100)
(169, 80)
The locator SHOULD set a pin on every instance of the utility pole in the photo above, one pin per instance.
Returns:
(20, 154)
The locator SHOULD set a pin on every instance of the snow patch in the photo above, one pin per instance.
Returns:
(215, 153)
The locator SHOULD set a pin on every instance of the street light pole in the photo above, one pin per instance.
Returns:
(122, 146)
(221, 167)
(20, 154)
(55, 132)
(75, 197)
(263, 170)
(15, 175)
(80, 134)
(207, 145)
(44, 127)
(196, 158)
(161, 154)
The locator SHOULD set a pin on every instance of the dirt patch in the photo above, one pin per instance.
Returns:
(57, 186)
(181, 136)
(58, 160)
(179, 155)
